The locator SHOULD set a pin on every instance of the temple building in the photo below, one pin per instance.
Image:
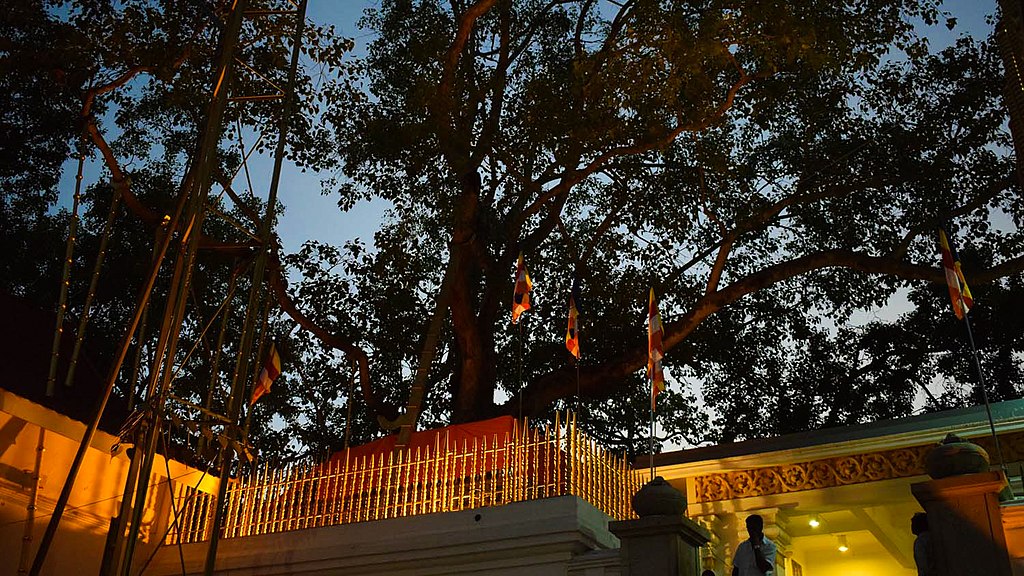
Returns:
(501, 498)
(824, 490)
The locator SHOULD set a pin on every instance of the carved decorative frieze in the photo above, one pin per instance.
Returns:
(838, 471)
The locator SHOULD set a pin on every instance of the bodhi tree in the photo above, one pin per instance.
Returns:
(764, 166)
(769, 170)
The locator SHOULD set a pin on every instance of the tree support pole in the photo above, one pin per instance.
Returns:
(173, 320)
(206, 153)
(240, 380)
(33, 501)
(115, 539)
(62, 303)
(83, 322)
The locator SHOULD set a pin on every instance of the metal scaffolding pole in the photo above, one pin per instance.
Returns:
(189, 204)
(241, 374)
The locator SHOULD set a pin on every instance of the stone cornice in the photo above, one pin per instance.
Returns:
(975, 431)
(833, 471)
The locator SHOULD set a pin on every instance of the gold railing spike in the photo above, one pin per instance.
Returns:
(520, 464)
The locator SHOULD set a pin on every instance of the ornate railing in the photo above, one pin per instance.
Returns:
(524, 464)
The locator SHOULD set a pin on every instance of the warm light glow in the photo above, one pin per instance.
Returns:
(526, 464)
(842, 543)
(814, 522)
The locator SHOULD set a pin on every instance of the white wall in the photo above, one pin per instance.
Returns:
(539, 538)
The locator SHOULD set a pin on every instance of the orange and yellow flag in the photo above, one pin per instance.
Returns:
(271, 370)
(521, 295)
(572, 334)
(655, 373)
(959, 293)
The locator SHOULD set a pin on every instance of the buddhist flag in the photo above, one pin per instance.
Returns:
(959, 293)
(271, 370)
(655, 353)
(521, 296)
(572, 335)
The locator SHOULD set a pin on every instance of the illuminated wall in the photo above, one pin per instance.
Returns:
(38, 443)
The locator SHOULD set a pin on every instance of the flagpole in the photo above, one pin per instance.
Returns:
(520, 369)
(652, 433)
(984, 391)
(954, 278)
(654, 371)
(577, 386)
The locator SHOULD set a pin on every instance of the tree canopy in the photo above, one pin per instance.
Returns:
(769, 170)
(773, 170)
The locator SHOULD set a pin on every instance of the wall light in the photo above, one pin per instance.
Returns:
(842, 543)
(814, 522)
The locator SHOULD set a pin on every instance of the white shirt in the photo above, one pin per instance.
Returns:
(744, 560)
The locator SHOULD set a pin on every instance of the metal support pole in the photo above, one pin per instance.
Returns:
(255, 295)
(194, 181)
(33, 501)
(652, 436)
(984, 394)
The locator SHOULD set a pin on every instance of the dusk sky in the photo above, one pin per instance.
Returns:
(312, 216)
(309, 215)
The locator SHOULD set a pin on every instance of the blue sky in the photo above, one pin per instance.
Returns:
(309, 215)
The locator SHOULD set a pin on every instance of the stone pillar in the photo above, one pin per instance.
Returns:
(660, 545)
(715, 554)
(1013, 528)
(662, 542)
(965, 524)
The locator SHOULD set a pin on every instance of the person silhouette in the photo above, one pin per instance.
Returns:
(919, 527)
(755, 556)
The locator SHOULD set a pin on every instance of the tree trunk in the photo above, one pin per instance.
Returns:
(473, 381)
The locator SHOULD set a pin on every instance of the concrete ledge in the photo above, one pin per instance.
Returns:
(538, 537)
(596, 563)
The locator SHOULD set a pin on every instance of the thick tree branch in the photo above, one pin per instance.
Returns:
(277, 282)
(493, 120)
(577, 176)
(581, 21)
(118, 179)
(603, 379)
(92, 93)
(443, 105)
(724, 248)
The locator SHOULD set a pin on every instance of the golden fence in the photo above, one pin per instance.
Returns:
(524, 464)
